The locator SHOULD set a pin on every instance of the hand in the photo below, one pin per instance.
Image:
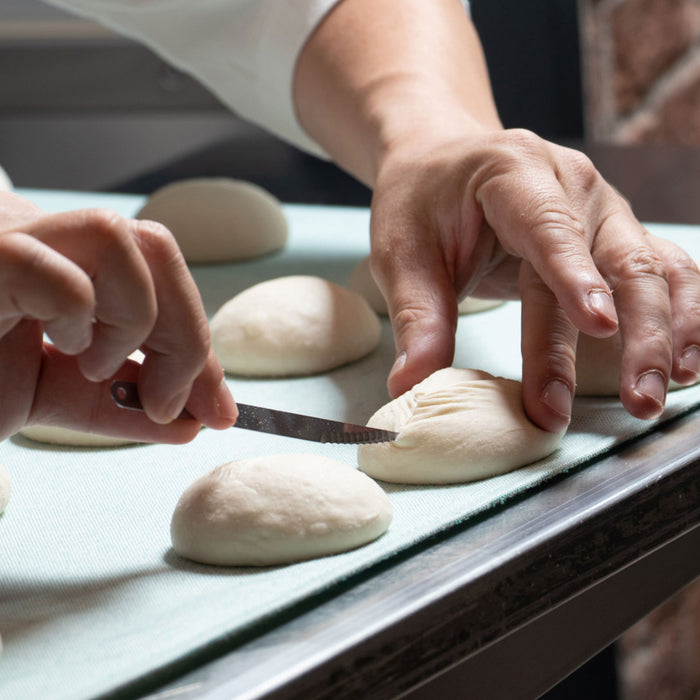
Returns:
(101, 286)
(506, 214)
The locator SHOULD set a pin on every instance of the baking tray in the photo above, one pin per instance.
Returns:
(92, 598)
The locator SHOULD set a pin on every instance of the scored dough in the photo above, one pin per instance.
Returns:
(5, 488)
(291, 326)
(278, 509)
(362, 282)
(598, 366)
(457, 425)
(219, 219)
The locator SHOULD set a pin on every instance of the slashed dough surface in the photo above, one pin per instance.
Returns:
(5, 488)
(278, 509)
(457, 425)
(362, 282)
(219, 219)
(296, 325)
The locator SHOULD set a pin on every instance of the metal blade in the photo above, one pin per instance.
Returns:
(270, 420)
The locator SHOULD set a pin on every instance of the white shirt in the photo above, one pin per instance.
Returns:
(243, 51)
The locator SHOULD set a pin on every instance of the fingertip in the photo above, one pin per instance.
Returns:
(550, 409)
(424, 337)
(416, 364)
(556, 399)
(648, 396)
(225, 409)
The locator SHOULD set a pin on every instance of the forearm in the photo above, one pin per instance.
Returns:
(380, 74)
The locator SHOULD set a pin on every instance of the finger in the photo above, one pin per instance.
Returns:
(639, 278)
(39, 283)
(64, 397)
(179, 367)
(684, 286)
(626, 256)
(423, 311)
(541, 226)
(548, 349)
(20, 365)
(101, 243)
(210, 400)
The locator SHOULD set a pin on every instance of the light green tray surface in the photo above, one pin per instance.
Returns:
(92, 597)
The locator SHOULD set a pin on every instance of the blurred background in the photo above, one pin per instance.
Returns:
(83, 109)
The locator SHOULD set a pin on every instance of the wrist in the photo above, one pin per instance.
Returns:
(375, 75)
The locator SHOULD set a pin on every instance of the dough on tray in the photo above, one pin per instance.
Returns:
(5, 488)
(457, 425)
(362, 282)
(219, 219)
(291, 326)
(54, 435)
(278, 509)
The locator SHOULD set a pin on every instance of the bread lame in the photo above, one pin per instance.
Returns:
(270, 420)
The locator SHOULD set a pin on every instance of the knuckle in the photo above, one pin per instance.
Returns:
(105, 223)
(522, 140)
(192, 347)
(678, 260)
(657, 337)
(643, 262)
(413, 315)
(557, 225)
(156, 240)
(691, 309)
(587, 176)
(15, 253)
(561, 352)
(406, 317)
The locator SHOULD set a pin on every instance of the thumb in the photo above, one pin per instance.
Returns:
(423, 312)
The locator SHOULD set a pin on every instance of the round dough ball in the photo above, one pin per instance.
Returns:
(362, 282)
(54, 435)
(219, 219)
(5, 488)
(598, 366)
(277, 510)
(457, 425)
(291, 326)
(5, 182)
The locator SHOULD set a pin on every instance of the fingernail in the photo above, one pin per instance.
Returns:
(690, 360)
(399, 362)
(225, 405)
(557, 396)
(602, 304)
(652, 385)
